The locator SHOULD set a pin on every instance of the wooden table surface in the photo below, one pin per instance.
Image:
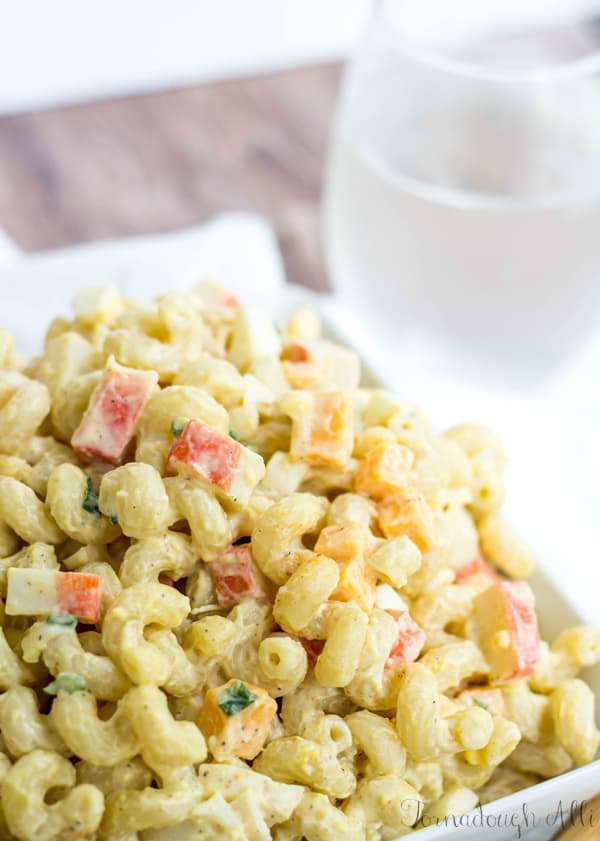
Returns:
(167, 160)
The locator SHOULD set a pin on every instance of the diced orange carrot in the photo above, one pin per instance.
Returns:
(217, 459)
(507, 628)
(236, 577)
(408, 515)
(410, 640)
(235, 719)
(384, 470)
(477, 575)
(349, 545)
(109, 422)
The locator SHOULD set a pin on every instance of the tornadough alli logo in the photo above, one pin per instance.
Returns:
(562, 816)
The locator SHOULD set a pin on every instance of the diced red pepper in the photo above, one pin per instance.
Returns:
(236, 577)
(313, 648)
(109, 422)
(409, 642)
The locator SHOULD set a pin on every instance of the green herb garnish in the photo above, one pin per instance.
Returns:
(66, 682)
(114, 519)
(236, 698)
(233, 434)
(66, 619)
(90, 499)
(277, 328)
(177, 427)
(481, 704)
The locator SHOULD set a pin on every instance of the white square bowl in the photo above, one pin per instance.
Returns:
(543, 810)
(109, 262)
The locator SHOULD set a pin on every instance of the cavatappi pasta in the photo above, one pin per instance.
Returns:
(244, 598)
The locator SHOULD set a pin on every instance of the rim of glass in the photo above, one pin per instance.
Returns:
(583, 66)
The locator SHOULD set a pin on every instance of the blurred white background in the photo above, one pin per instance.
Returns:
(68, 50)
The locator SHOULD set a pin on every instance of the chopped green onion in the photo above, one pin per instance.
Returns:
(233, 434)
(114, 519)
(236, 698)
(277, 327)
(66, 619)
(90, 499)
(66, 682)
(177, 426)
(481, 704)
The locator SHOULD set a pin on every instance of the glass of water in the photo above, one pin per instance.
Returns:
(462, 199)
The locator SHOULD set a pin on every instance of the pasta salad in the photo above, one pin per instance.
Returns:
(245, 598)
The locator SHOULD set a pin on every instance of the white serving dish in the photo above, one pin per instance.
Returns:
(540, 802)
(49, 280)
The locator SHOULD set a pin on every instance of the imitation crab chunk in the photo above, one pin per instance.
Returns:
(507, 628)
(409, 642)
(110, 420)
(216, 459)
(46, 592)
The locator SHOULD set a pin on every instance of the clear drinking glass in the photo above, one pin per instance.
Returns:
(462, 197)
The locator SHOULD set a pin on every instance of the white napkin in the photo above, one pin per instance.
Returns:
(9, 253)
(238, 249)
